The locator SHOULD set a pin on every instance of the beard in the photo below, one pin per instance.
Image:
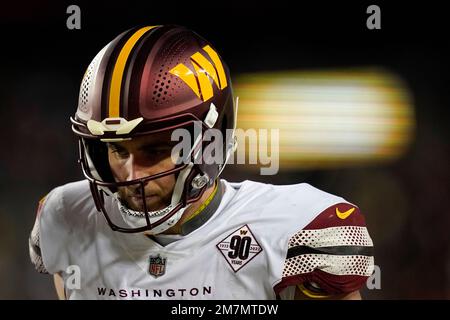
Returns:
(134, 200)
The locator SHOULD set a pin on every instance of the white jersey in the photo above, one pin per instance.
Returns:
(261, 240)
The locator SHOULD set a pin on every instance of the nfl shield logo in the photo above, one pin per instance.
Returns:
(157, 266)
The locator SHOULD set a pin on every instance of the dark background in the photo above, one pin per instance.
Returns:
(405, 201)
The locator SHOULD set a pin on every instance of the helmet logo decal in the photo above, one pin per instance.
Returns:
(119, 67)
(199, 79)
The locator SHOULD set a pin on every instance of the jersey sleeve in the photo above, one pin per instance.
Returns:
(333, 253)
(34, 242)
(49, 235)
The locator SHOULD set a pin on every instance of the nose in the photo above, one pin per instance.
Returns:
(134, 170)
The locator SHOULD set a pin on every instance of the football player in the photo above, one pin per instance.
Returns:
(143, 225)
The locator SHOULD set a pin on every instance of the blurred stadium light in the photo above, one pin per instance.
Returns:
(329, 119)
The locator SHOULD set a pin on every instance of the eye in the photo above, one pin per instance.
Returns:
(119, 152)
(158, 152)
(122, 154)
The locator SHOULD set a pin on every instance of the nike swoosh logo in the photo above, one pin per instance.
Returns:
(345, 214)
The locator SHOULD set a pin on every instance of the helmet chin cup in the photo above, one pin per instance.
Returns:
(200, 181)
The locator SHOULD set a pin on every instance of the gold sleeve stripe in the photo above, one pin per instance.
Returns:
(311, 294)
(119, 67)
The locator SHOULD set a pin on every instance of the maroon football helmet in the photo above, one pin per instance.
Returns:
(149, 80)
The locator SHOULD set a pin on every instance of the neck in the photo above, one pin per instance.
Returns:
(192, 210)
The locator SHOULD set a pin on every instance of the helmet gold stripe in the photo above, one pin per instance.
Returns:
(119, 67)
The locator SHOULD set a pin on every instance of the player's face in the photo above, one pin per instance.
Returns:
(139, 158)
